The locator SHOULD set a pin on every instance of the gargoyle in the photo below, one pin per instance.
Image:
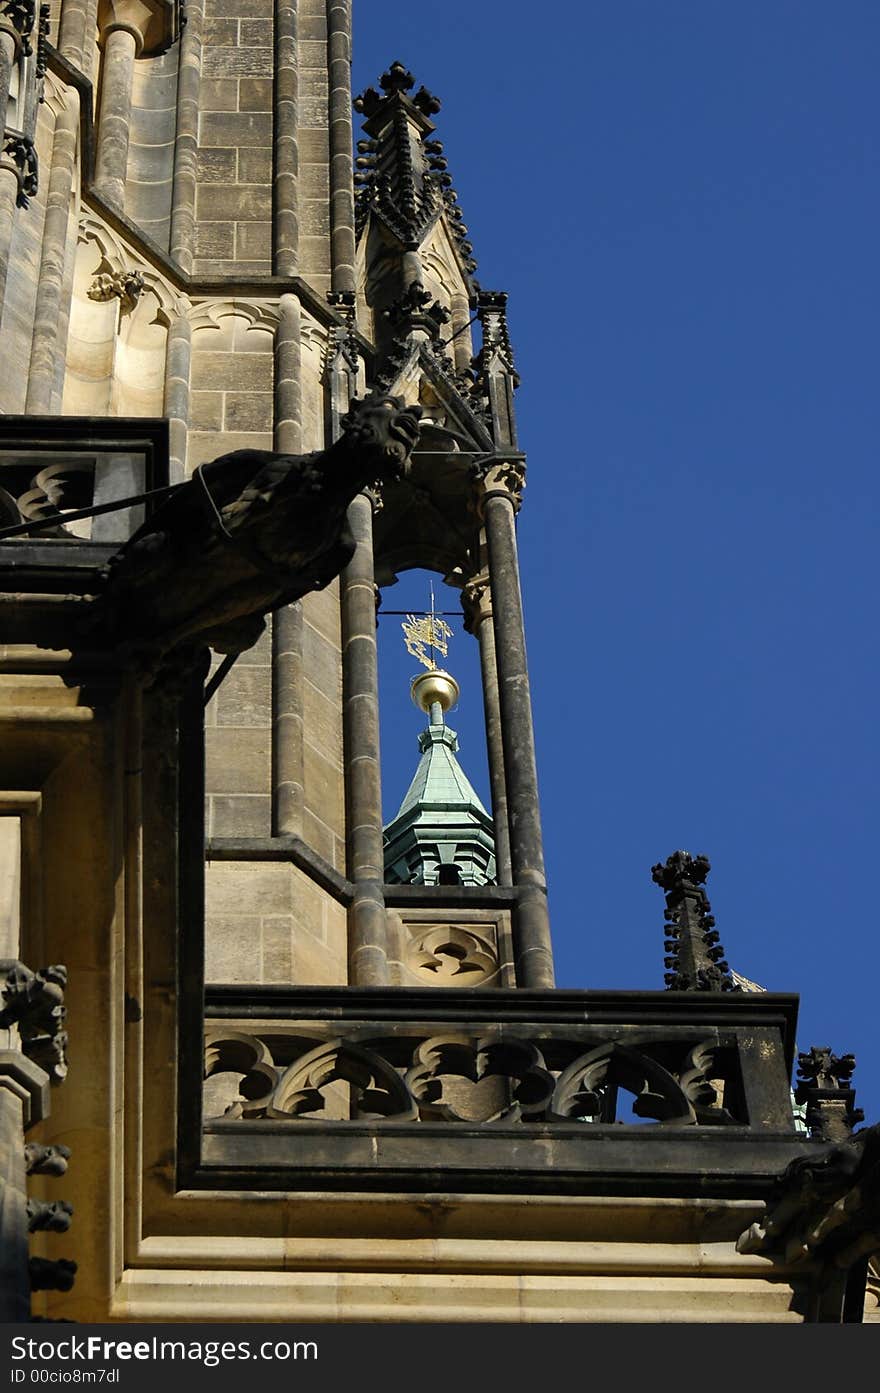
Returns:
(250, 532)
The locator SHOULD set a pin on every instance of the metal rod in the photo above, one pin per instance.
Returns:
(58, 518)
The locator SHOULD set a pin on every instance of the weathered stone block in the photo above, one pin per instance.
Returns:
(239, 763)
(231, 371)
(253, 241)
(322, 839)
(323, 787)
(213, 238)
(256, 33)
(323, 721)
(248, 411)
(242, 202)
(277, 943)
(240, 887)
(208, 445)
(312, 53)
(259, 9)
(240, 815)
(232, 948)
(217, 166)
(255, 94)
(206, 410)
(237, 62)
(236, 128)
(244, 698)
(218, 94)
(220, 32)
(254, 166)
(321, 662)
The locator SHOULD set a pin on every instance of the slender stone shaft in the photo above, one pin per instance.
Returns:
(15, 1296)
(288, 778)
(186, 142)
(47, 348)
(285, 223)
(76, 34)
(7, 59)
(341, 170)
(494, 743)
(8, 197)
(360, 676)
(178, 356)
(111, 160)
(534, 956)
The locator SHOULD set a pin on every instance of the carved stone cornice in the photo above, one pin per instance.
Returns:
(20, 157)
(696, 958)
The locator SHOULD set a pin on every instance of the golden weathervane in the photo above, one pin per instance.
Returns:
(426, 631)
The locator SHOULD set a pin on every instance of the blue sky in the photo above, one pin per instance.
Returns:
(683, 202)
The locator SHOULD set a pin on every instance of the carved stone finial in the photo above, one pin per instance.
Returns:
(824, 1086)
(396, 79)
(417, 309)
(696, 958)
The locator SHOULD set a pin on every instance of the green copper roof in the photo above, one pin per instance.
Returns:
(441, 821)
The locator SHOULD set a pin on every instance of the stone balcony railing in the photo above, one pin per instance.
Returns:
(592, 1092)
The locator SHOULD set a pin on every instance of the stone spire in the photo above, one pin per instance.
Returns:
(441, 834)
(696, 957)
(401, 172)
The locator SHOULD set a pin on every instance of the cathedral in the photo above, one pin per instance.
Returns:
(265, 1055)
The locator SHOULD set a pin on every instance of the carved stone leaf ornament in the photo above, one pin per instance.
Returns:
(588, 1088)
(237, 1053)
(483, 1080)
(377, 1090)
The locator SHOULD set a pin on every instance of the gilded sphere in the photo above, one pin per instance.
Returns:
(432, 686)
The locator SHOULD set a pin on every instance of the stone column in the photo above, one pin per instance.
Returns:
(477, 602)
(8, 199)
(288, 779)
(178, 357)
(342, 254)
(121, 44)
(285, 221)
(47, 349)
(76, 43)
(500, 489)
(8, 52)
(10, 48)
(186, 141)
(360, 684)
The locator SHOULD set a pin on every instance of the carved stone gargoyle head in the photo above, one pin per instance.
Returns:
(249, 532)
(384, 425)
